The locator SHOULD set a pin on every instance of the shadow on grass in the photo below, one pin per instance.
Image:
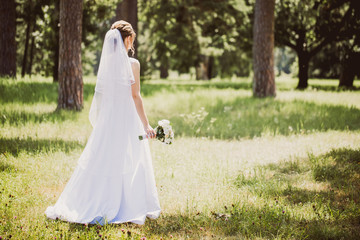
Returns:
(285, 211)
(333, 207)
(5, 167)
(16, 145)
(33, 92)
(16, 118)
(334, 88)
(249, 117)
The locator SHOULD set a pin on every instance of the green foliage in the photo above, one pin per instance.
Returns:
(332, 208)
(43, 18)
(309, 26)
(180, 32)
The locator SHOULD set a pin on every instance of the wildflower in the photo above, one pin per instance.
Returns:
(123, 230)
(283, 211)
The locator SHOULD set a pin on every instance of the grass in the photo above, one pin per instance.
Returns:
(240, 168)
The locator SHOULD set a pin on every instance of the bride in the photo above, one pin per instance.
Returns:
(114, 180)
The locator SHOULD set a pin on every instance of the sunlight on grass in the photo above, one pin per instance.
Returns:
(240, 168)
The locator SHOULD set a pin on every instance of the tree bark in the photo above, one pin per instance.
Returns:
(348, 70)
(27, 40)
(202, 68)
(29, 68)
(210, 72)
(164, 72)
(263, 49)
(127, 10)
(56, 45)
(70, 70)
(304, 59)
(7, 38)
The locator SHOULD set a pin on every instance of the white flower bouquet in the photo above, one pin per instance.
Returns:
(164, 132)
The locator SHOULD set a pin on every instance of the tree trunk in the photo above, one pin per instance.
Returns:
(303, 70)
(56, 63)
(202, 68)
(348, 71)
(70, 70)
(164, 72)
(210, 72)
(7, 38)
(56, 45)
(27, 40)
(127, 10)
(263, 49)
(29, 69)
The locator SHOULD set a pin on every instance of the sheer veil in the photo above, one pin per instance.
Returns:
(114, 69)
(113, 116)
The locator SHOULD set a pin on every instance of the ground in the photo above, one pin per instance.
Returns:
(239, 168)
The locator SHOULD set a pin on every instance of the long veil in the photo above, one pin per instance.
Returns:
(112, 113)
(114, 69)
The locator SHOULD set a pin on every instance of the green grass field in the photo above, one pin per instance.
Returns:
(240, 168)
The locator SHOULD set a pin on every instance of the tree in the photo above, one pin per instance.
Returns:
(196, 34)
(263, 49)
(349, 62)
(307, 26)
(128, 10)
(70, 69)
(7, 38)
(350, 46)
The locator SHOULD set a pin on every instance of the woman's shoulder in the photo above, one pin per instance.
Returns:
(134, 61)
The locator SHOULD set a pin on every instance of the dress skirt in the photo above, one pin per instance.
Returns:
(114, 180)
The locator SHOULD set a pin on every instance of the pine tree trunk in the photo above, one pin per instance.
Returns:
(164, 72)
(70, 70)
(202, 68)
(27, 40)
(29, 69)
(211, 68)
(127, 10)
(303, 70)
(56, 45)
(263, 49)
(7, 38)
(348, 71)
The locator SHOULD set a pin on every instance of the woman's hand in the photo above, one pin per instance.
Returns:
(150, 132)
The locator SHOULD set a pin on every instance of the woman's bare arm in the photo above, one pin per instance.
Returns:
(135, 90)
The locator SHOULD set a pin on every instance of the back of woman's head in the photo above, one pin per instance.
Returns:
(126, 30)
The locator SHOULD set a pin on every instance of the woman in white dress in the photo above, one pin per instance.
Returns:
(114, 179)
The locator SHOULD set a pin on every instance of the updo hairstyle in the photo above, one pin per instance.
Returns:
(125, 30)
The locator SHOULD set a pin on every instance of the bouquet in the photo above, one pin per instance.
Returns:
(164, 132)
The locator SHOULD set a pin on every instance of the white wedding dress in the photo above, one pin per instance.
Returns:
(114, 180)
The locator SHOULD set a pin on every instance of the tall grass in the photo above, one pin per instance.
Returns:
(240, 168)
